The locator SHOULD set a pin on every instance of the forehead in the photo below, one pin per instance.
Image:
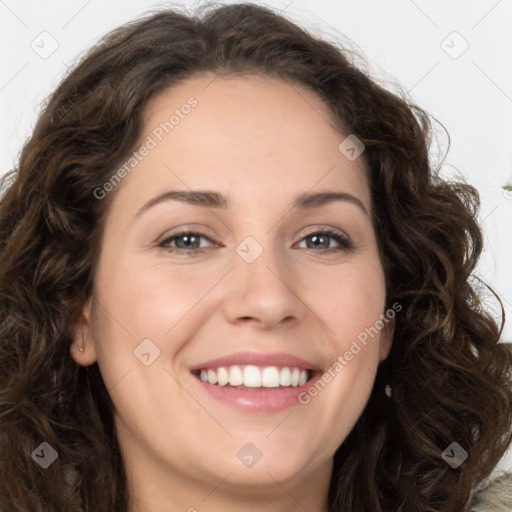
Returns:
(250, 110)
(265, 133)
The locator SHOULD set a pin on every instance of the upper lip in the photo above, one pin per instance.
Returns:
(257, 359)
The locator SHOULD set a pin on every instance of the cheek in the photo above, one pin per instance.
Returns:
(351, 304)
(352, 310)
(350, 301)
(154, 299)
(157, 303)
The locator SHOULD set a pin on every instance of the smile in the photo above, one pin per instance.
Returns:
(253, 382)
(252, 376)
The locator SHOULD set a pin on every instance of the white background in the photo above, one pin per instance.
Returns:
(409, 41)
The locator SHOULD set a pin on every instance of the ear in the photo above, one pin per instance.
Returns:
(386, 339)
(82, 347)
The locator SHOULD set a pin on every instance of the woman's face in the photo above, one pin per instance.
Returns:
(255, 297)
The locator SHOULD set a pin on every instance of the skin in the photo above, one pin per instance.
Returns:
(261, 142)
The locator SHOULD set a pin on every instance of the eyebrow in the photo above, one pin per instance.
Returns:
(208, 199)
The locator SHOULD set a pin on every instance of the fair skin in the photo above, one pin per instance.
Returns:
(261, 144)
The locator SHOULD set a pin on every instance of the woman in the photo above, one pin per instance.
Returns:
(231, 280)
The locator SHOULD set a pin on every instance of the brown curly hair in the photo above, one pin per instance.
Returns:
(450, 376)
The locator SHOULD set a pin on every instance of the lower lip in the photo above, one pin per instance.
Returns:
(259, 400)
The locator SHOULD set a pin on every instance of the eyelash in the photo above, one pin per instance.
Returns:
(343, 240)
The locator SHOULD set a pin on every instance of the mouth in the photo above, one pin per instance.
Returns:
(254, 378)
(253, 382)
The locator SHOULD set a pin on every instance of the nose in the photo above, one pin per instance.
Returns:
(263, 292)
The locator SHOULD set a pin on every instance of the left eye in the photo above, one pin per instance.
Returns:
(322, 240)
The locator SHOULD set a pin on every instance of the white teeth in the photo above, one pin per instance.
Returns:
(252, 376)
(223, 376)
(212, 377)
(285, 377)
(295, 377)
(270, 377)
(236, 377)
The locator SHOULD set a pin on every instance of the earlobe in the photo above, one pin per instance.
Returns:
(82, 347)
